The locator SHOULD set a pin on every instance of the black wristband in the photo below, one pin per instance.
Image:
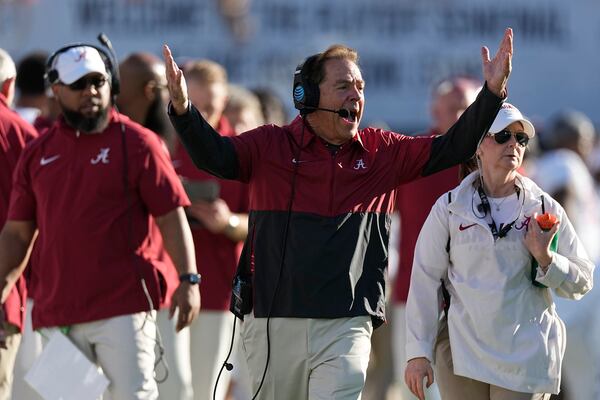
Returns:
(194, 279)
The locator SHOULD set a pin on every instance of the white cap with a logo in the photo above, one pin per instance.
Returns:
(509, 114)
(77, 62)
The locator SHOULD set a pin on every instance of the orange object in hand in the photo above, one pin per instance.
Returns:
(546, 221)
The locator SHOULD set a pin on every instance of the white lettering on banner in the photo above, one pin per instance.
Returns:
(404, 46)
(101, 157)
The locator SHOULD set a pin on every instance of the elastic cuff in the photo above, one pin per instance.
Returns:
(419, 349)
(556, 273)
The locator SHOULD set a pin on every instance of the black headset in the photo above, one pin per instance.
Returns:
(109, 58)
(305, 91)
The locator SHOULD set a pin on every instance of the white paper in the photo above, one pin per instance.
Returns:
(63, 372)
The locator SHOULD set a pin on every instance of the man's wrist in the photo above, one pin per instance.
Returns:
(193, 279)
(232, 224)
(177, 110)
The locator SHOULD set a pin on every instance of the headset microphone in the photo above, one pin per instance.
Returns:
(228, 366)
(342, 112)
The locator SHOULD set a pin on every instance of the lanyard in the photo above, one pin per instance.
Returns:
(486, 207)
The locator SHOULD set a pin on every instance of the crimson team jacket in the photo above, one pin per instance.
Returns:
(329, 211)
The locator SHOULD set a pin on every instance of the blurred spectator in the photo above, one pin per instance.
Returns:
(243, 110)
(562, 172)
(31, 88)
(237, 17)
(219, 221)
(571, 130)
(14, 134)
(450, 98)
(144, 98)
(272, 107)
(35, 101)
(33, 105)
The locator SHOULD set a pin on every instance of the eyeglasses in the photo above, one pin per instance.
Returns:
(504, 136)
(83, 83)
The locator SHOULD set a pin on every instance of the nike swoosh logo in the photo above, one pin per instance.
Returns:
(46, 161)
(463, 227)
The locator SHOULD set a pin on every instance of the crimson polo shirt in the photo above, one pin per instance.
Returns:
(414, 201)
(216, 255)
(94, 243)
(15, 132)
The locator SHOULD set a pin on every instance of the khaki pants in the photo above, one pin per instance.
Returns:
(7, 360)
(210, 337)
(178, 385)
(454, 387)
(316, 359)
(124, 347)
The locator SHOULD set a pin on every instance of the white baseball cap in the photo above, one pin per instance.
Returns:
(509, 114)
(77, 62)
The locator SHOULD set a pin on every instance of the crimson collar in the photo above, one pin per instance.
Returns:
(299, 124)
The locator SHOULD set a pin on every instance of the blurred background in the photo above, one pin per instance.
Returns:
(404, 46)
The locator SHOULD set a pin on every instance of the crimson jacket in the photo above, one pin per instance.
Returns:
(329, 211)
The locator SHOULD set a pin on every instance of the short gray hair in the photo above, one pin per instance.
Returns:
(7, 66)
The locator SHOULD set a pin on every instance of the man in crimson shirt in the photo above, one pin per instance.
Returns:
(321, 191)
(89, 186)
(14, 134)
(450, 98)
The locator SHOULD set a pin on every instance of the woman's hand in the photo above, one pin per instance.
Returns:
(416, 370)
(537, 241)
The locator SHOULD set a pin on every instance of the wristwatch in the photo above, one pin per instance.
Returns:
(194, 279)
(232, 223)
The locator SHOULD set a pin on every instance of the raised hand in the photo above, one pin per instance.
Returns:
(497, 70)
(175, 83)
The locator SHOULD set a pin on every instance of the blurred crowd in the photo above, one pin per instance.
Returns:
(563, 159)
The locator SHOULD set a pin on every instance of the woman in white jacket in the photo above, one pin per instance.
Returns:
(501, 338)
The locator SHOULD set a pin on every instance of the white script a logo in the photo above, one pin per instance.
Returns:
(101, 157)
(360, 164)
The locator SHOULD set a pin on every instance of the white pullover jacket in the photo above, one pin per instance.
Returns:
(503, 330)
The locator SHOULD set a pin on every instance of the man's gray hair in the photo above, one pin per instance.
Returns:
(7, 66)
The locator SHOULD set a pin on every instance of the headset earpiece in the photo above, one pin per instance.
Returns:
(305, 92)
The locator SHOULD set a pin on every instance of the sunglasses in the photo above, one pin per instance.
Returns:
(504, 136)
(83, 83)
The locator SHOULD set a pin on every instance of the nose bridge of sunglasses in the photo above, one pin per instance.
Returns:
(504, 136)
(87, 81)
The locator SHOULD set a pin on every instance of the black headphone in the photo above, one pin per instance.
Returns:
(109, 58)
(305, 91)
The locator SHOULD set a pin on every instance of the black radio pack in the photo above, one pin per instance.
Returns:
(241, 296)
